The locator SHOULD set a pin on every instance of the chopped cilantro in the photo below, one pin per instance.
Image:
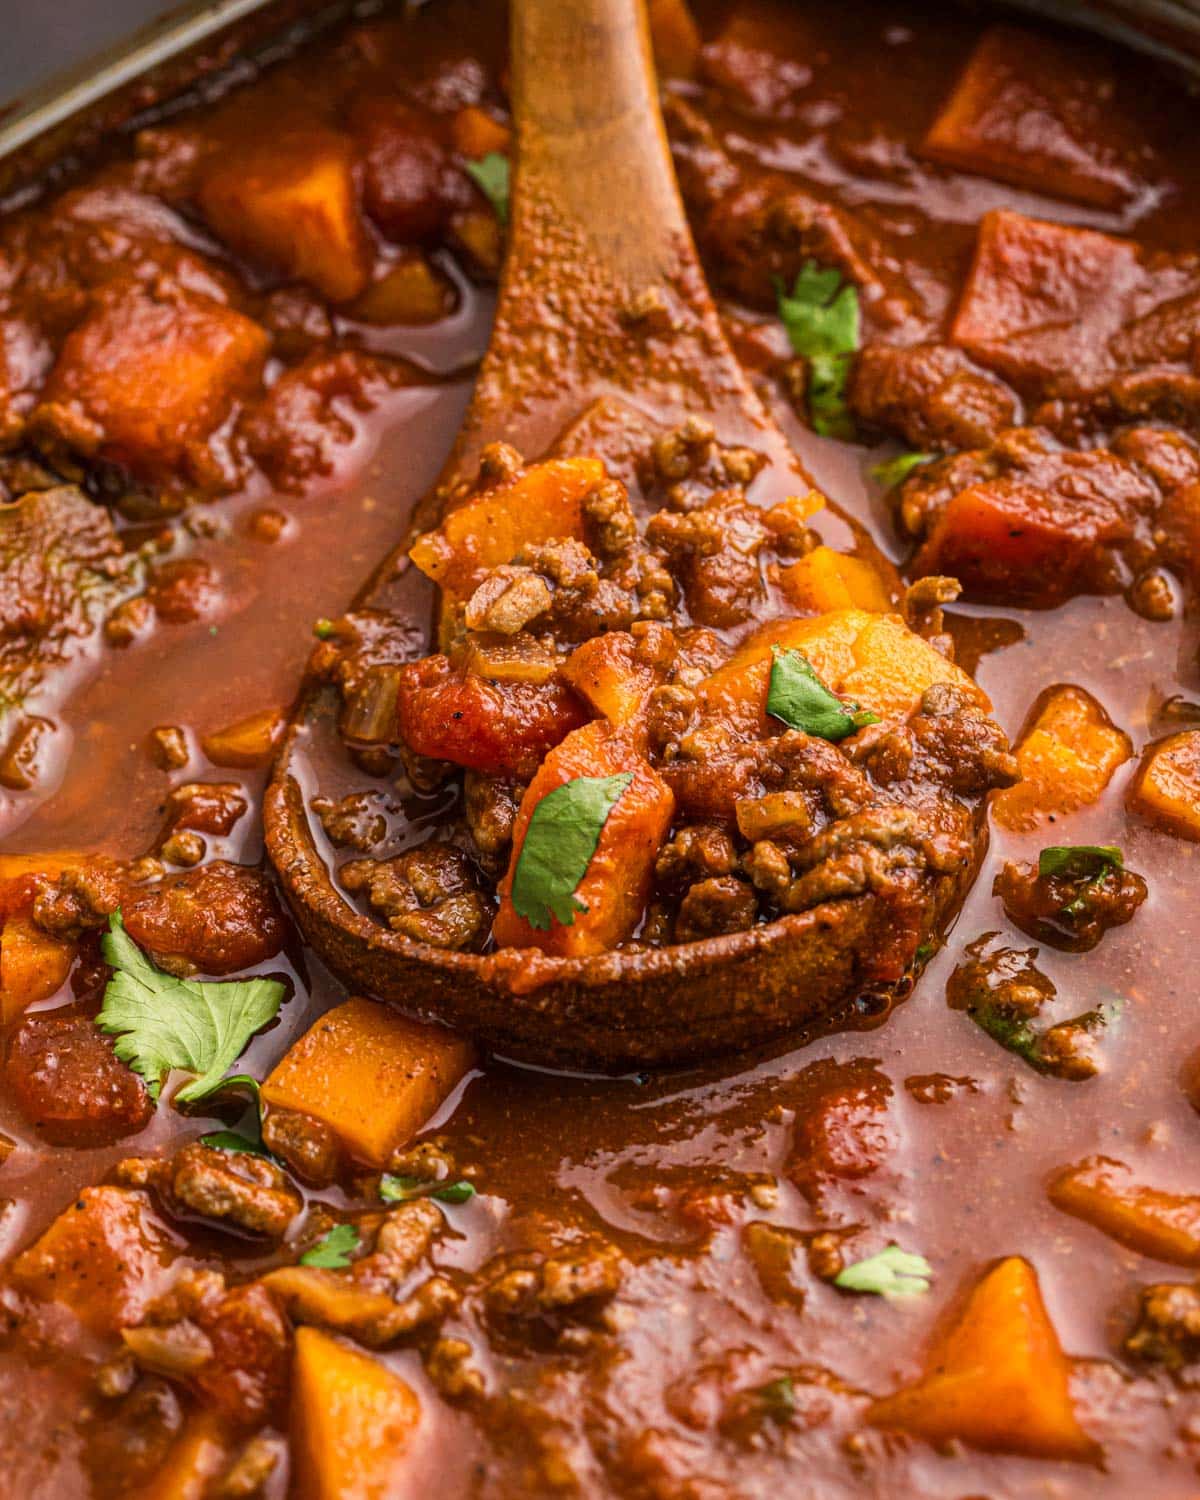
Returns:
(892, 470)
(161, 1022)
(1089, 864)
(559, 843)
(892, 1273)
(402, 1189)
(1080, 861)
(821, 318)
(234, 1142)
(332, 1251)
(324, 629)
(801, 700)
(491, 175)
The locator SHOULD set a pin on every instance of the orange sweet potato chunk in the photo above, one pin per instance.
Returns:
(1152, 1221)
(1166, 789)
(352, 1421)
(370, 1074)
(32, 965)
(874, 659)
(1039, 117)
(997, 1379)
(1043, 297)
(151, 374)
(476, 134)
(197, 1456)
(1067, 758)
(105, 1257)
(675, 36)
(823, 580)
(291, 203)
(540, 504)
(616, 884)
(610, 677)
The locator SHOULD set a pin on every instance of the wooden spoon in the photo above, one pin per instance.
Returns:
(603, 312)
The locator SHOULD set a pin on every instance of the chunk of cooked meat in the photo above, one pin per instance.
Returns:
(1167, 1331)
(930, 395)
(428, 894)
(235, 1188)
(715, 551)
(1071, 911)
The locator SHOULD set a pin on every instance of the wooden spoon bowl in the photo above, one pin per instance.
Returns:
(604, 321)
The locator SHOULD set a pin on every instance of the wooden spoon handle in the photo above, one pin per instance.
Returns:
(602, 292)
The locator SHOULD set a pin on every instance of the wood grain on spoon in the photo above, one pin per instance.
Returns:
(604, 321)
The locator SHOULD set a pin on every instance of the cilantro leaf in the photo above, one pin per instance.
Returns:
(559, 843)
(332, 1251)
(891, 471)
(161, 1022)
(801, 700)
(1080, 861)
(491, 175)
(403, 1189)
(235, 1143)
(892, 1273)
(821, 318)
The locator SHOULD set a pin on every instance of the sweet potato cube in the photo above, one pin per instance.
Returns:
(197, 1456)
(1150, 1220)
(893, 668)
(370, 1074)
(153, 374)
(1166, 789)
(1014, 542)
(873, 659)
(1039, 117)
(291, 203)
(610, 677)
(1067, 757)
(616, 884)
(675, 36)
(105, 1257)
(540, 504)
(352, 1421)
(477, 134)
(33, 964)
(824, 580)
(249, 742)
(997, 1379)
(738, 690)
(1043, 298)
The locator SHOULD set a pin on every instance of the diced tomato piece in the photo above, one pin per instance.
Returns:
(68, 1082)
(495, 727)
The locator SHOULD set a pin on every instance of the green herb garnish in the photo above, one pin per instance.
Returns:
(892, 1273)
(822, 321)
(1080, 861)
(559, 843)
(234, 1142)
(161, 1022)
(801, 700)
(324, 629)
(891, 471)
(491, 175)
(403, 1189)
(1090, 864)
(332, 1250)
